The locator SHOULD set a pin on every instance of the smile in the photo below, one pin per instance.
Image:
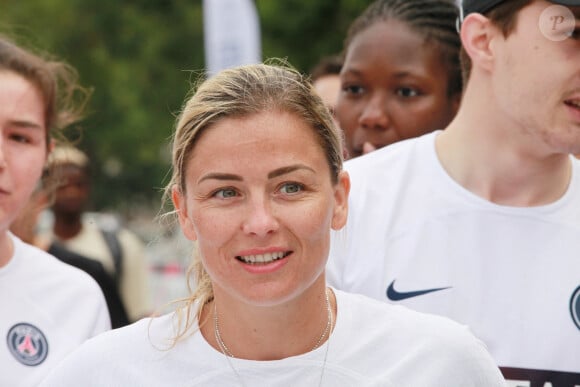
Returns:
(573, 103)
(263, 258)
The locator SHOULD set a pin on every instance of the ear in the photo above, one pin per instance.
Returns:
(179, 202)
(477, 37)
(51, 145)
(341, 190)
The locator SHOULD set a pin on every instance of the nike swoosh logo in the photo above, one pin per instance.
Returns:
(395, 295)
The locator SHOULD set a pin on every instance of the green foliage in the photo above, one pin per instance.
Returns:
(140, 57)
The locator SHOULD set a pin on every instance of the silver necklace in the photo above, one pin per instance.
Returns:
(228, 354)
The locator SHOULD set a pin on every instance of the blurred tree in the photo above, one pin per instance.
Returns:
(140, 57)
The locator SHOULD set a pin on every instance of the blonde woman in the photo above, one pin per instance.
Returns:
(258, 184)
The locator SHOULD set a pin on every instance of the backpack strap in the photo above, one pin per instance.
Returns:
(114, 245)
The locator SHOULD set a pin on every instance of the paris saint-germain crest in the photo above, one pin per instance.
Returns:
(27, 344)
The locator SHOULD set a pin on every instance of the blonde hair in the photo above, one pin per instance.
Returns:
(241, 92)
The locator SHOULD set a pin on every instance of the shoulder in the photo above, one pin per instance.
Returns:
(123, 352)
(74, 259)
(390, 155)
(53, 289)
(448, 351)
(150, 334)
(129, 239)
(402, 321)
(40, 263)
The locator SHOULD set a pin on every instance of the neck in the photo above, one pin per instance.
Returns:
(6, 249)
(495, 159)
(67, 226)
(270, 333)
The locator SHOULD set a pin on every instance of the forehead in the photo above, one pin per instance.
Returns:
(546, 20)
(392, 45)
(20, 96)
(258, 139)
(269, 127)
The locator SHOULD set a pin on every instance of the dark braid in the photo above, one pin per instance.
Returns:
(435, 20)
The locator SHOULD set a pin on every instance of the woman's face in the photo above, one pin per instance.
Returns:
(22, 144)
(394, 87)
(260, 203)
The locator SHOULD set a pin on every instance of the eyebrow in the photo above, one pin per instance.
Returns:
(275, 173)
(288, 169)
(220, 176)
(26, 124)
(397, 75)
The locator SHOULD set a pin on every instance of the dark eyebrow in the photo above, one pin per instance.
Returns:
(351, 72)
(220, 176)
(288, 169)
(271, 175)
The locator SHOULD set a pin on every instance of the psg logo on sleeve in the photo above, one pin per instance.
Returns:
(27, 344)
(575, 307)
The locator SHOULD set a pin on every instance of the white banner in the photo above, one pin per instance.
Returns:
(231, 34)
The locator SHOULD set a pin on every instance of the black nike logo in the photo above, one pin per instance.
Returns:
(394, 295)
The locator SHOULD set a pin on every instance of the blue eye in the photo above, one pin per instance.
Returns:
(225, 193)
(291, 188)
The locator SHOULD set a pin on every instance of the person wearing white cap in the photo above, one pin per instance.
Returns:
(480, 222)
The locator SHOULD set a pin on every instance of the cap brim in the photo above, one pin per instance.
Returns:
(566, 2)
(482, 6)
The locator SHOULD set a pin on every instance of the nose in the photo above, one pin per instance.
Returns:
(374, 115)
(260, 220)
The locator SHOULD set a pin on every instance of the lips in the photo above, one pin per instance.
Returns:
(575, 103)
(261, 259)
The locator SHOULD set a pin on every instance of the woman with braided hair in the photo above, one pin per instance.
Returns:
(401, 76)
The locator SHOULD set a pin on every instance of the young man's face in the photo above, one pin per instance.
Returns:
(536, 77)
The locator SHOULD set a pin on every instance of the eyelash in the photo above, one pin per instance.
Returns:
(355, 90)
(292, 183)
(20, 138)
(219, 193)
(350, 89)
(216, 193)
(416, 92)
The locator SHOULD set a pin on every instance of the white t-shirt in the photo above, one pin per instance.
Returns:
(416, 237)
(373, 344)
(47, 309)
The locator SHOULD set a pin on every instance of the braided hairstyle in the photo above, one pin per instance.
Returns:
(434, 20)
